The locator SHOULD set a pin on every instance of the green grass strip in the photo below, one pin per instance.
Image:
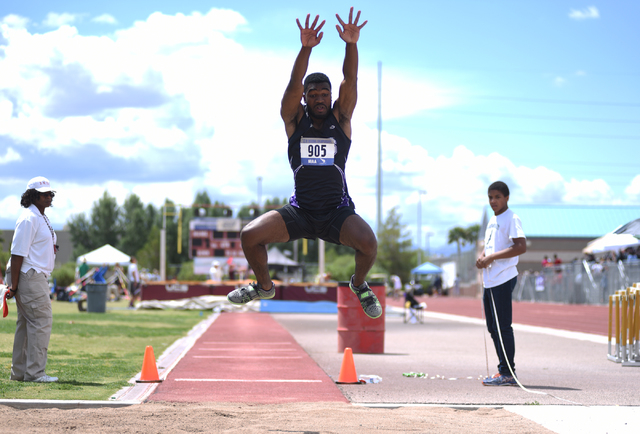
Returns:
(93, 354)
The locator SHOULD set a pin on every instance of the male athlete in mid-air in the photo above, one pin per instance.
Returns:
(319, 140)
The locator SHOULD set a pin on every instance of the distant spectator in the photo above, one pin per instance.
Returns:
(83, 268)
(557, 263)
(396, 285)
(437, 284)
(545, 261)
(233, 274)
(456, 285)
(134, 281)
(215, 272)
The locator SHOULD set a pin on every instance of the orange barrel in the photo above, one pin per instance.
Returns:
(355, 329)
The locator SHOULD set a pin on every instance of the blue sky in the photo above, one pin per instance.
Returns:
(164, 99)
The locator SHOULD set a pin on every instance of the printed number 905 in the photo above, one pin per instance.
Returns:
(317, 151)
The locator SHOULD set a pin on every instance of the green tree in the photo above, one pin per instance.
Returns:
(220, 209)
(80, 231)
(274, 203)
(149, 255)
(462, 237)
(249, 211)
(134, 224)
(4, 256)
(395, 251)
(459, 236)
(153, 217)
(176, 217)
(105, 226)
(202, 201)
(472, 233)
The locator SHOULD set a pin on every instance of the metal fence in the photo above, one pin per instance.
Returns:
(577, 282)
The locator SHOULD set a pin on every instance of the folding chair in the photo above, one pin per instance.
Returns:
(414, 314)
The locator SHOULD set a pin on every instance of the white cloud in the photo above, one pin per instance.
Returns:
(559, 81)
(633, 189)
(105, 19)
(56, 20)
(15, 21)
(595, 191)
(584, 14)
(10, 156)
(173, 89)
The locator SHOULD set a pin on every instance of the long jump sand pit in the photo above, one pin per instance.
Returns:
(319, 418)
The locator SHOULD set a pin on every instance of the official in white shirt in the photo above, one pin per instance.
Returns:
(33, 253)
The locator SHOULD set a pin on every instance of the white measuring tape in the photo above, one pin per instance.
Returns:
(495, 314)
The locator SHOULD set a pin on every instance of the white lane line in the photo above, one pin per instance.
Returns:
(246, 381)
(598, 339)
(247, 343)
(247, 349)
(247, 357)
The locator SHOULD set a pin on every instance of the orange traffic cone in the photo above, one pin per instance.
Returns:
(149, 372)
(348, 371)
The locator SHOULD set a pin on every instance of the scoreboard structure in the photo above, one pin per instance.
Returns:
(215, 237)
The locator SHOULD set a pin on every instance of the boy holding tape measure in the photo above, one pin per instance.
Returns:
(504, 241)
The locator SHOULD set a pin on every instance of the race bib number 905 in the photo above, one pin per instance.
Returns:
(316, 151)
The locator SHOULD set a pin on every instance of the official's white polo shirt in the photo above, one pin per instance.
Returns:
(34, 240)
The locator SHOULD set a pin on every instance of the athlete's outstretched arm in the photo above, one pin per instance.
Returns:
(348, 95)
(291, 108)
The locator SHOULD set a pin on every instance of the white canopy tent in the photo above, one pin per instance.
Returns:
(106, 254)
(276, 257)
(611, 242)
(632, 228)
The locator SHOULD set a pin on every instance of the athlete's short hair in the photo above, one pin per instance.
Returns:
(316, 77)
(499, 186)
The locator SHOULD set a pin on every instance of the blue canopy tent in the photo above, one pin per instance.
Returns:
(427, 268)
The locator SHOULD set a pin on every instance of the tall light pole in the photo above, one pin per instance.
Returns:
(420, 193)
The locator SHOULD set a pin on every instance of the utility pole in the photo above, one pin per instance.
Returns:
(379, 191)
(420, 193)
(163, 245)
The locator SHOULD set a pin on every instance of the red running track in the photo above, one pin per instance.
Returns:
(247, 357)
(572, 317)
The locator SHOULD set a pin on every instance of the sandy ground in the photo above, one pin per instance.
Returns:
(284, 418)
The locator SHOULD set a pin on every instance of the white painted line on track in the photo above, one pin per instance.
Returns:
(169, 359)
(246, 381)
(248, 343)
(247, 357)
(247, 349)
(598, 339)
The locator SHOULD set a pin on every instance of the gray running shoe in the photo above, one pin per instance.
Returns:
(45, 379)
(368, 300)
(499, 380)
(253, 291)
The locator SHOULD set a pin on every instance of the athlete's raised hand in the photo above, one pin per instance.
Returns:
(310, 36)
(350, 32)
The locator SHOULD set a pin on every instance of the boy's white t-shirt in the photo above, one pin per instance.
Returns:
(501, 230)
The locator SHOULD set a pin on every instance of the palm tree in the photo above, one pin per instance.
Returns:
(459, 236)
(462, 237)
